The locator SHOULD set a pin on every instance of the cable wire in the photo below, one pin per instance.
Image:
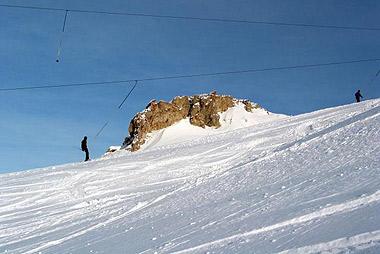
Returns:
(101, 130)
(130, 92)
(115, 82)
(192, 18)
(373, 78)
(61, 39)
(118, 108)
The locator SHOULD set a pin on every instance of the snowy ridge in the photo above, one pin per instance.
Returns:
(303, 184)
(234, 118)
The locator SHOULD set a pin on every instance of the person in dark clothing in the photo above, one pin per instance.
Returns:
(85, 149)
(358, 96)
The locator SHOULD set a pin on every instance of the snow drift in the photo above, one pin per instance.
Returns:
(303, 184)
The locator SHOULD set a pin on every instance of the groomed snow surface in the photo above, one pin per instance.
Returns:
(303, 184)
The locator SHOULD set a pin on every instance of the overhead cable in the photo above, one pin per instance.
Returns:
(101, 129)
(130, 92)
(61, 39)
(118, 108)
(115, 82)
(374, 78)
(193, 18)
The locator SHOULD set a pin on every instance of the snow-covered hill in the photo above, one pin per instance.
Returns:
(234, 118)
(303, 184)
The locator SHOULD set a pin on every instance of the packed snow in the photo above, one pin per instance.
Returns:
(260, 184)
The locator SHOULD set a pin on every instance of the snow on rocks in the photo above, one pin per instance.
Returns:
(199, 110)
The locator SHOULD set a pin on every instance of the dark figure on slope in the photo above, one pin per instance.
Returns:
(84, 148)
(358, 96)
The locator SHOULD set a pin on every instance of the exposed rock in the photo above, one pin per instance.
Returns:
(113, 149)
(249, 106)
(202, 111)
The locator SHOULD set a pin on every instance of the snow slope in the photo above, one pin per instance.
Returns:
(303, 184)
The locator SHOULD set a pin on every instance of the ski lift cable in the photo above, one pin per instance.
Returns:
(115, 82)
(129, 93)
(118, 108)
(66, 85)
(64, 21)
(193, 18)
(62, 34)
(101, 129)
(374, 78)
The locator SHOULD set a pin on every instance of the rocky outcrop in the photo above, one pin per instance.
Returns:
(201, 110)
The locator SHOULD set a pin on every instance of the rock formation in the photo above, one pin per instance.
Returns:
(201, 110)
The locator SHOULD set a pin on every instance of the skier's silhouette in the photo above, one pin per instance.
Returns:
(85, 148)
(358, 96)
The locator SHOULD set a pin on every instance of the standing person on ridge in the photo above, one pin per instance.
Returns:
(84, 148)
(358, 96)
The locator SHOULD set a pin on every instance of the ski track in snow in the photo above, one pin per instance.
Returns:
(361, 241)
(303, 184)
(345, 207)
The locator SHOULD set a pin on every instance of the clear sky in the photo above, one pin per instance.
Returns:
(44, 127)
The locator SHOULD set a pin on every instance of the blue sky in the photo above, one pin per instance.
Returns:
(45, 127)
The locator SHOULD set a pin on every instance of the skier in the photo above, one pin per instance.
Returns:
(84, 148)
(358, 96)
